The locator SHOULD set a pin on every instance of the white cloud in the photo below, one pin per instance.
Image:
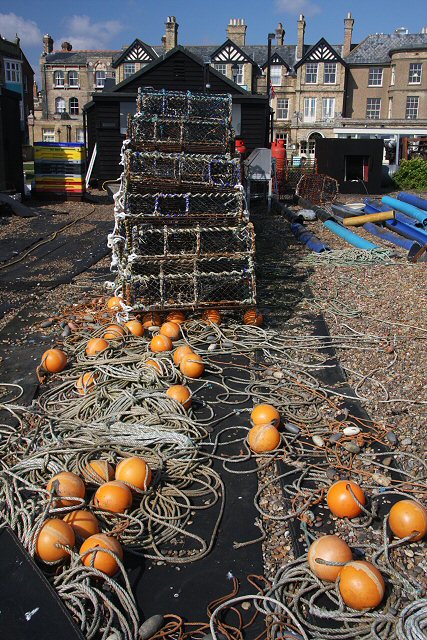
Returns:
(295, 7)
(27, 30)
(82, 33)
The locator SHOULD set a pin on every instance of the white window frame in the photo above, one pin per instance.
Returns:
(393, 74)
(48, 135)
(100, 81)
(13, 71)
(417, 75)
(282, 109)
(126, 72)
(276, 78)
(57, 101)
(328, 108)
(373, 108)
(80, 135)
(73, 82)
(221, 67)
(72, 110)
(375, 77)
(390, 108)
(240, 75)
(311, 72)
(412, 107)
(59, 74)
(310, 107)
(327, 71)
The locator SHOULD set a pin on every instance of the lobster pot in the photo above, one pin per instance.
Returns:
(201, 282)
(185, 206)
(180, 104)
(168, 134)
(184, 242)
(152, 169)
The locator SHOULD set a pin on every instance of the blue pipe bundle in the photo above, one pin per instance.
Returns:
(380, 232)
(372, 207)
(416, 201)
(407, 231)
(418, 214)
(349, 236)
(303, 235)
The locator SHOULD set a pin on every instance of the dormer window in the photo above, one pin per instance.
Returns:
(276, 75)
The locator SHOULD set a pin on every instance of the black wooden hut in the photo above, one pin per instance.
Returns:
(11, 167)
(177, 70)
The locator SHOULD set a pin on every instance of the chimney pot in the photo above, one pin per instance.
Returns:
(171, 38)
(236, 31)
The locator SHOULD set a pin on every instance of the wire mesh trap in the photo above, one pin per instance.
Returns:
(180, 104)
(178, 242)
(317, 188)
(201, 282)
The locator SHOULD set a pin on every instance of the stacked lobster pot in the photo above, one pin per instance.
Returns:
(182, 237)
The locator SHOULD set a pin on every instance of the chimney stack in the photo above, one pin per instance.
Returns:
(66, 46)
(301, 32)
(280, 35)
(47, 44)
(171, 37)
(348, 34)
(236, 31)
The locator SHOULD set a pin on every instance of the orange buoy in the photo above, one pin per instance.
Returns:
(253, 318)
(114, 332)
(406, 517)
(170, 329)
(176, 316)
(113, 496)
(361, 585)
(86, 382)
(83, 523)
(192, 365)
(54, 360)
(160, 343)
(153, 363)
(265, 414)
(100, 471)
(54, 531)
(151, 319)
(181, 394)
(180, 352)
(263, 437)
(101, 560)
(69, 485)
(212, 315)
(115, 304)
(134, 471)
(341, 502)
(332, 549)
(95, 346)
(135, 327)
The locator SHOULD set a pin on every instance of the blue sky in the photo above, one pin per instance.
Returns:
(102, 24)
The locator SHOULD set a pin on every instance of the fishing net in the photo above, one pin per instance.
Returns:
(317, 188)
(185, 105)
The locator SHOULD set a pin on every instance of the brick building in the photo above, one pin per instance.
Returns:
(16, 74)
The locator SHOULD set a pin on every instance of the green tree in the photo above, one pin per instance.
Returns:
(412, 174)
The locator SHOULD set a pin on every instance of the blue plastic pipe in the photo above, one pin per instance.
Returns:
(372, 207)
(380, 232)
(416, 201)
(407, 231)
(349, 236)
(409, 209)
(303, 235)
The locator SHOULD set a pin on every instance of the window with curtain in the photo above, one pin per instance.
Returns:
(276, 75)
(59, 105)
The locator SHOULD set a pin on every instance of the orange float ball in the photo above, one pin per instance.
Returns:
(96, 345)
(54, 360)
(134, 471)
(181, 394)
(253, 318)
(176, 316)
(83, 523)
(263, 437)
(135, 327)
(406, 517)
(86, 382)
(212, 315)
(100, 471)
(53, 532)
(101, 560)
(341, 502)
(361, 585)
(113, 496)
(160, 343)
(114, 332)
(151, 320)
(67, 484)
(192, 365)
(170, 329)
(265, 414)
(154, 363)
(180, 352)
(114, 304)
(332, 549)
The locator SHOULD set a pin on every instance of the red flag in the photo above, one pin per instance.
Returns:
(272, 91)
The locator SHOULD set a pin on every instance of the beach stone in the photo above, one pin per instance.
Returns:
(213, 347)
(150, 627)
(47, 323)
(351, 431)
(391, 437)
(381, 479)
(335, 437)
(245, 606)
(318, 441)
(66, 332)
(351, 447)
(211, 338)
(292, 428)
(406, 441)
(278, 375)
